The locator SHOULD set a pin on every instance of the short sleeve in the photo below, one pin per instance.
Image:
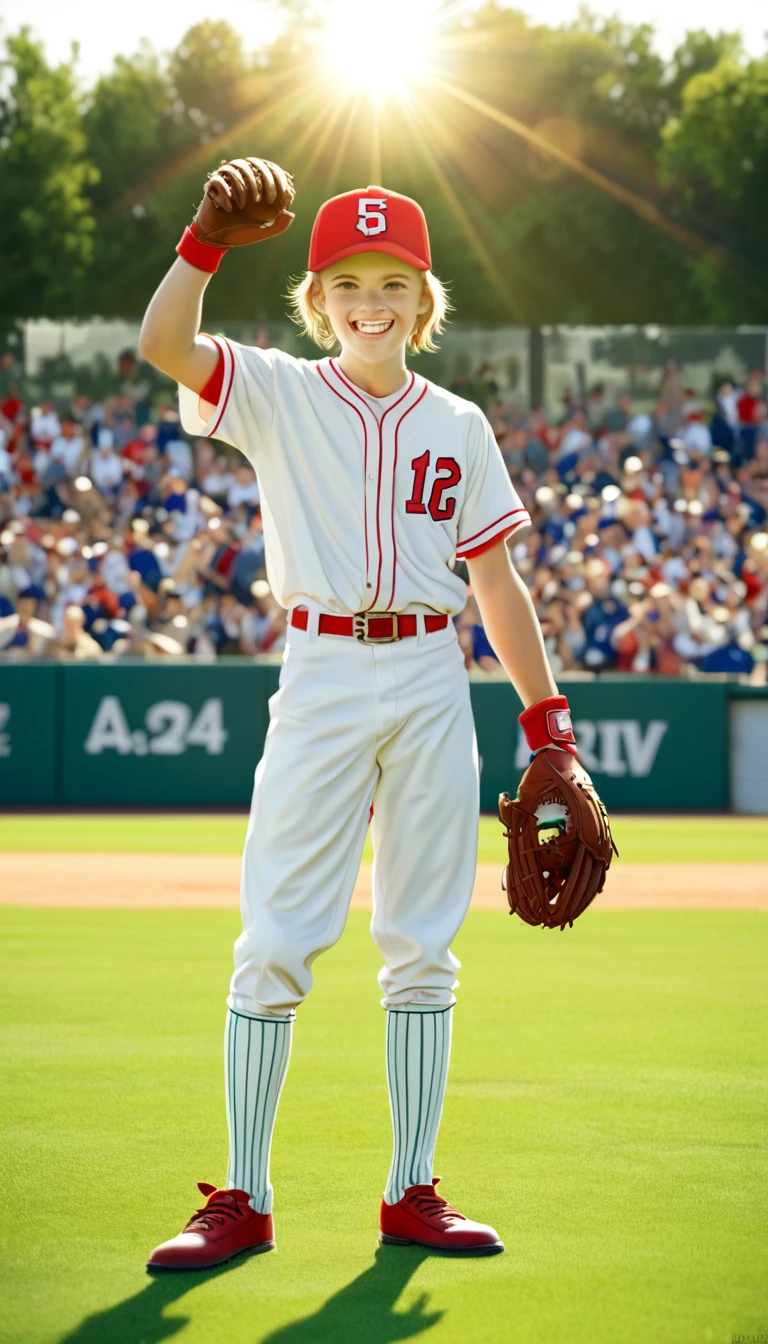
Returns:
(245, 410)
(492, 508)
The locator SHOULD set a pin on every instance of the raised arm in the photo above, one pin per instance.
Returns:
(169, 336)
(244, 202)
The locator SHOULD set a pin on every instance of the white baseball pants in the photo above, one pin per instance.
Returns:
(353, 725)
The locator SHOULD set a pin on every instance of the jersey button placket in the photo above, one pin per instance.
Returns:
(385, 507)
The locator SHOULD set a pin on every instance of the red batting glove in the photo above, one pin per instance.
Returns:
(547, 724)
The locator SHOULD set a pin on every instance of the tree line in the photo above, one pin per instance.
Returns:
(569, 175)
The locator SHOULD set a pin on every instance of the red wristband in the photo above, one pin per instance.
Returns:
(548, 724)
(204, 256)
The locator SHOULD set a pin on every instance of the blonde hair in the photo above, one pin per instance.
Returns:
(315, 324)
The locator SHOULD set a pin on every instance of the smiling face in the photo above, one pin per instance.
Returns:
(372, 301)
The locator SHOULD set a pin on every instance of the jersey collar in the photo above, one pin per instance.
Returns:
(394, 408)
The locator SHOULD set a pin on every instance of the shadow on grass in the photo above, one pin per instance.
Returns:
(140, 1319)
(364, 1309)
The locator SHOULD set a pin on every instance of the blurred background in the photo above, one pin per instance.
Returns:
(596, 187)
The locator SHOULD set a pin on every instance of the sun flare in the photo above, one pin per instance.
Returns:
(379, 52)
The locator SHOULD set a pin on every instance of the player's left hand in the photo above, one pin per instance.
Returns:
(245, 201)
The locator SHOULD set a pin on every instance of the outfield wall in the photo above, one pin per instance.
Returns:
(183, 733)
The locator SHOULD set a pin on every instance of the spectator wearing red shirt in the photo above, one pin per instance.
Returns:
(751, 410)
(12, 405)
(101, 601)
(134, 452)
(217, 573)
(750, 404)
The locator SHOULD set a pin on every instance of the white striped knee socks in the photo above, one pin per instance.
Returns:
(256, 1052)
(418, 1048)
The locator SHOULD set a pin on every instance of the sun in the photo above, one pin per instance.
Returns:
(382, 52)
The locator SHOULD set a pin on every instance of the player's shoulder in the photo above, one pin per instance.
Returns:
(256, 356)
(455, 407)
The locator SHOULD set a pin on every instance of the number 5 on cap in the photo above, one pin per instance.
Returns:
(372, 219)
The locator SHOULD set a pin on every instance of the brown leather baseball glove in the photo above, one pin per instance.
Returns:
(245, 201)
(560, 843)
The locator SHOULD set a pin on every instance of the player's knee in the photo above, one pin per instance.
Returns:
(271, 975)
(278, 964)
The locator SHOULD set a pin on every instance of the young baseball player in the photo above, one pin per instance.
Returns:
(373, 482)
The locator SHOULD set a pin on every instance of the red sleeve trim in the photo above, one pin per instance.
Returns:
(460, 545)
(465, 553)
(212, 432)
(212, 390)
(487, 545)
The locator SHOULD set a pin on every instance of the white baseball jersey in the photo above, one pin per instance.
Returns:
(366, 501)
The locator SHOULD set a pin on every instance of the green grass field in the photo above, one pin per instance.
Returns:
(606, 1112)
(717, 839)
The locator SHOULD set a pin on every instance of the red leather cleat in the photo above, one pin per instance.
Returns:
(424, 1218)
(226, 1226)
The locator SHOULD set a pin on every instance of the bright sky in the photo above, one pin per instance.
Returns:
(164, 21)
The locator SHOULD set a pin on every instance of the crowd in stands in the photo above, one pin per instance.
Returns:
(648, 550)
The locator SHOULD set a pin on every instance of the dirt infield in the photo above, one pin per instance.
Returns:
(211, 881)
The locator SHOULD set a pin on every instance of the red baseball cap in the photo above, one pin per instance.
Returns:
(370, 219)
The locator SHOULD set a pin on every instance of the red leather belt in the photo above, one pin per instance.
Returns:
(369, 627)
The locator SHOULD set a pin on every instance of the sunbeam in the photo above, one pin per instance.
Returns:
(273, 109)
(315, 125)
(640, 205)
(376, 166)
(341, 148)
(467, 225)
(331, 122)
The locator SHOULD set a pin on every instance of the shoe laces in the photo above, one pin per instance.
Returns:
(432, 1205)
(217, 1211)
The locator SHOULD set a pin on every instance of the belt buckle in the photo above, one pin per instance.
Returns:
(360, 627)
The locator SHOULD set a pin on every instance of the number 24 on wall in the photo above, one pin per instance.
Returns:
(448, 475)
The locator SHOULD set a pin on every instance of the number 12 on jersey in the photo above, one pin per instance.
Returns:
(448, 475)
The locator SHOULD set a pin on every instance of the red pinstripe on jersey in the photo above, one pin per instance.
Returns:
(393, 407)
(412, 407)
(365, 457)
